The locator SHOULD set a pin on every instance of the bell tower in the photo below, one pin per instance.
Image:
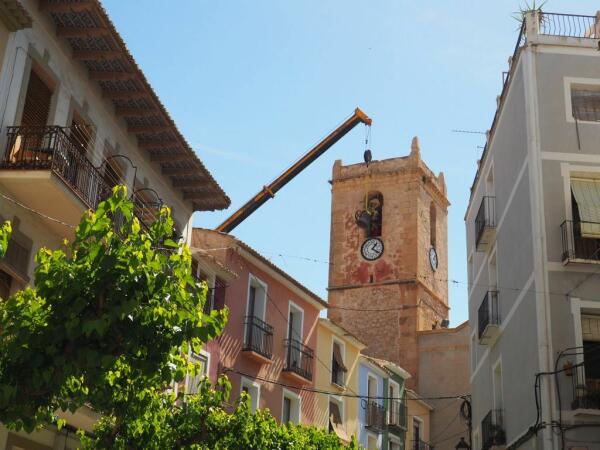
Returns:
(389, 255)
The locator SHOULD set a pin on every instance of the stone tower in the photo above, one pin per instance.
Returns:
(386, 293)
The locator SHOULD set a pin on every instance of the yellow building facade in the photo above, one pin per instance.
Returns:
(336, 370)
(419, 422)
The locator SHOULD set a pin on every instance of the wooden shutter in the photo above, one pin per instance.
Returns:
(338, 358)
(586, 104)
(590, 328)
(37, 102)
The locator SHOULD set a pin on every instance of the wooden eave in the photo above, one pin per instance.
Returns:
(97, 45)
(13, 15)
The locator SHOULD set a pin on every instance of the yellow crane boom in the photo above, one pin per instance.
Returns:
(270, 190)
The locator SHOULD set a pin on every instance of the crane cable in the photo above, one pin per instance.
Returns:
(367, 161)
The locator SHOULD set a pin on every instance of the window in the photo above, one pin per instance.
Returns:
(493, 272)
(417, 436)
(371, 387)
(432, 224)
(586, 208)
(338, 368)
(375, 210)
(497, 380)
(256, 306)
(396, 410)
(82, 133)
(394, 445)
(295, 322)
(38, 99)
(193, 381)
(590, 330)
(291, 407)
(585, 103)
(336, 413)
(113, 173)
(253, 390)
(5, 285)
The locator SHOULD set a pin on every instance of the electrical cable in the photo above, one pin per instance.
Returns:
(338, 394)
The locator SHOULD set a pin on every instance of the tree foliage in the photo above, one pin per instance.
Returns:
(108, 325)
(201, 422)
(5, 231)
(108, 321)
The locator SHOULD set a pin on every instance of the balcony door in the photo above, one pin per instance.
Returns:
(294, 334)
(32, 144)
(255, 313)
(38, 99)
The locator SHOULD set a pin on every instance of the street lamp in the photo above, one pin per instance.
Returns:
(462, 445)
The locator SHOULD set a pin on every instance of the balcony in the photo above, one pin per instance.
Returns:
(375, 416)
(586, 386)
(258, 341)
(485, 224)
(492, 430)
(488, 316)
(298, 360)
(397, 415)
(418, 444)
(579, 242)
(47, 170)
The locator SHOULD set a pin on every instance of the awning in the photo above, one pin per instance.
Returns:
(337, 357)
(587, 196)
(335, 420)
(590, 328)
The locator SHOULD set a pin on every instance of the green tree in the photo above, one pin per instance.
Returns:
(201, 422)
(108, 324)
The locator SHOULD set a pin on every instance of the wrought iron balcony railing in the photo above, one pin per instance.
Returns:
(51, 148)
(586, 387)
(569, 25)
(298, 358)
(397, 414)
(579, 241)
(485, 223)
(488, 313)
(418, 444)
(375, 416)
(492, 430)
(259, 337)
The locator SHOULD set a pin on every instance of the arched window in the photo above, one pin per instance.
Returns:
(375, 210)
(432, 224)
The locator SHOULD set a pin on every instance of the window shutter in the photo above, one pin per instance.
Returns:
(590, 328)
(587, 196)
(586, 104)
(334, 413)
(37, 102)
(337, 357)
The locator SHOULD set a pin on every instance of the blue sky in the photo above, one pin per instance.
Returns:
(253, 84)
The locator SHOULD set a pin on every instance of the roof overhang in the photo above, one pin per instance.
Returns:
(14, 15)
(97, 45)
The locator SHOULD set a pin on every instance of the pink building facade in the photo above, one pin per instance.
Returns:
(269, 345)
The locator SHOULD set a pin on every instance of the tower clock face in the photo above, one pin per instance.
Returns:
(372, 249)
(433, 259)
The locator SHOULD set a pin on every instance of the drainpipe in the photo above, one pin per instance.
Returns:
(532, 21)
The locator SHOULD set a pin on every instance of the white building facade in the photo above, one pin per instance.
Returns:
(533, 246)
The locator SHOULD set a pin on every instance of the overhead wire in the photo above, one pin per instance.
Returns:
(426, 277)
